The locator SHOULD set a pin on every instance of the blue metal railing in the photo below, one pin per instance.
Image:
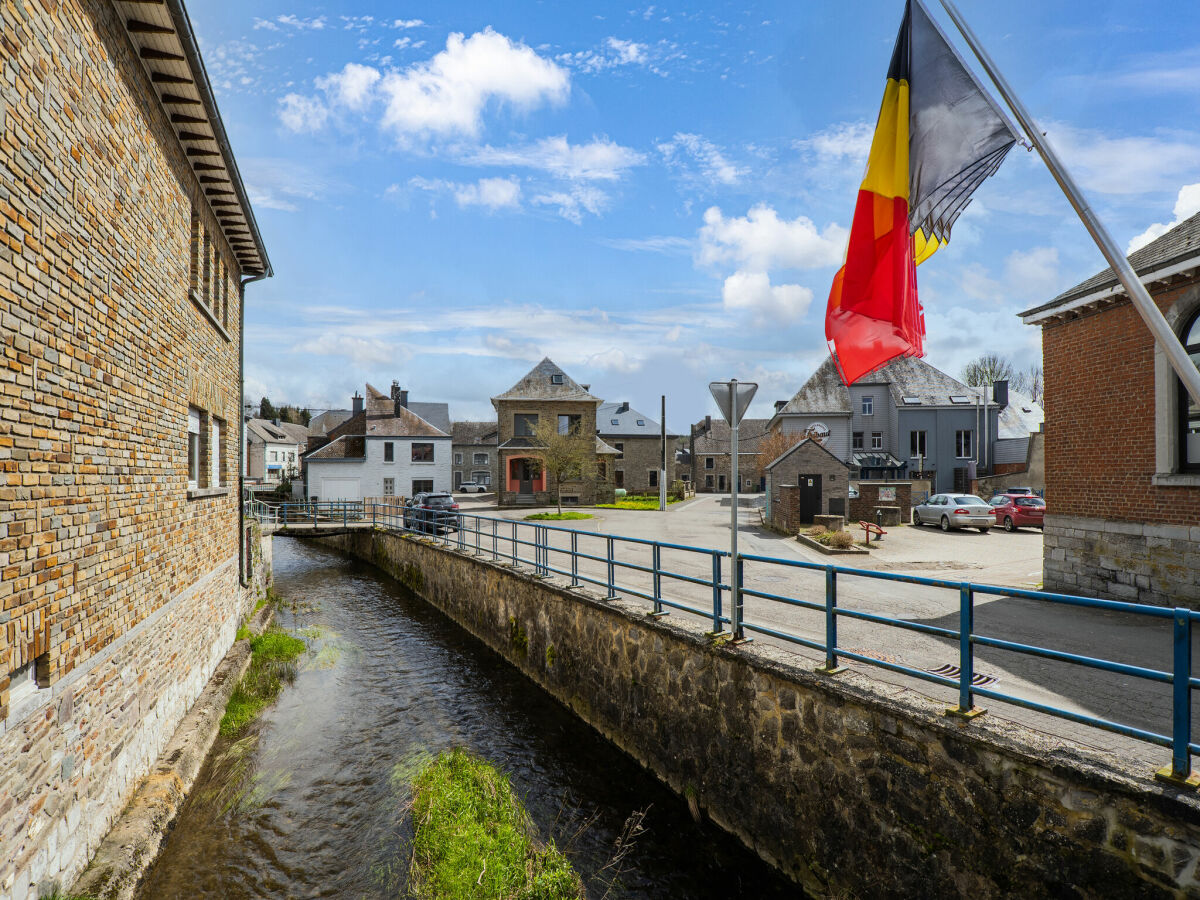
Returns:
(551, 550)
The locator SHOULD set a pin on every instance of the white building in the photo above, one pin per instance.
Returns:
(383, 450)
(273, 449)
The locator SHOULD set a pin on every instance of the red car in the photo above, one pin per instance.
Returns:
(1015, 511)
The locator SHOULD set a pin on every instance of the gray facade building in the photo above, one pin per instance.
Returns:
(475, 456)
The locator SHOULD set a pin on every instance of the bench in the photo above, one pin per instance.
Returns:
(870, 528)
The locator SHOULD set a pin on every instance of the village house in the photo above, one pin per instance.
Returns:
(709, 450)
(1122, 442)
(638, 441)
(274, 449)
(547, 393)
(383, 450)
(475, 458)
(126, 242)
(804, 481)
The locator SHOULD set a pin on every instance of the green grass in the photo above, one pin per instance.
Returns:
(560, 516)
(636, 503)
(472, 838)
(272, 665)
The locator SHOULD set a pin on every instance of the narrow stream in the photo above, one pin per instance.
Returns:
(310, 801)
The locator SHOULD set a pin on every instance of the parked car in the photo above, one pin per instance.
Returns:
(1016, 490)
(432, 512)
(853, 492)
(955, 511)
(1019, 511)
(473, 487)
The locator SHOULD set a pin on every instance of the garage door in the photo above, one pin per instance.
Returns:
(340, 489)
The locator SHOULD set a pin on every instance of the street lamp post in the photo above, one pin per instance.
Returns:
(733, 399)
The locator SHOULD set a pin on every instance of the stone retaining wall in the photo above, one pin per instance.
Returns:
(839, 786)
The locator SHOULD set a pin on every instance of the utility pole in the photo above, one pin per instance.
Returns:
(733, 399)
(662, 472)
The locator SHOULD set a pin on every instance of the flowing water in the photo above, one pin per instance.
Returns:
(311, 800)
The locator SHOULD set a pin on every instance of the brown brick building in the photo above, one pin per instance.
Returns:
(125, 241)
(709, 452)
(806, 480)
(546, 392)
(637, 438)
(1122, 442)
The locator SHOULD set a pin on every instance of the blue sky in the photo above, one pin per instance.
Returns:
(655, 196)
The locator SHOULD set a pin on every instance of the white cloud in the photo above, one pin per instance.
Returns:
(754, 293)
(446, 95)
(1136, 164)
(627, 52)
(612, 53)
(499, 345)
(666, 244)
(573, 203)
(407, 23)
(707, 155)
(361, 351)
(350, 87)
(760, 241)
(275, 183)
(290, 21)
(600, 159)
(847, 143)
(1187, 204)
(1028, 277)
(299, 113)
(490, 193)
(613, 360)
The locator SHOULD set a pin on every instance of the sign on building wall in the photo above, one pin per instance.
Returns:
(887, 495)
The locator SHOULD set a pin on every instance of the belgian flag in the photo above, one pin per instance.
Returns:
(939, 135)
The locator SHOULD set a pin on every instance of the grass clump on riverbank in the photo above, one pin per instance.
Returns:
(272, 665)
(473, 838)
(559, 516)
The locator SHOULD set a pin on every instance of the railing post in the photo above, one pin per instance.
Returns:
(345, 514)
(1179, 772)
(716, 586)
(831, 667)
(966, 708)
(475, 528)
(514, 544)
(736, 608)
(612, 571)
(656, 563)
(495, 541)
(575, 559)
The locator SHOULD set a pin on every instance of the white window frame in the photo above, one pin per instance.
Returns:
(193, 448)
(922, 443)
(458, 459)
(876, 440)
(214, 453)
(868, 404)
(480, 459)
(389, 487)
(962, 449)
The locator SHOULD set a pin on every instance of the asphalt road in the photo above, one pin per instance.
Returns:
(1012, 560)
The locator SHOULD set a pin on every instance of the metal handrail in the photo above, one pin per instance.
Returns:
(528, 544)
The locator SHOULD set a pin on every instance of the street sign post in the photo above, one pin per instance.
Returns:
(733, 399)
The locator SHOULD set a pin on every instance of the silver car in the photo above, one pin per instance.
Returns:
(955, 511)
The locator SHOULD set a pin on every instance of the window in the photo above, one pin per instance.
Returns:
(614, 421)
(194, 255)
(389, 487)
(206, 292)
(620, 448)
(1189, 412)
(570, 424)
(916, 444)
(857, 443)
(422, 453)
(602, 469)
(274, 456)
(193, 448)
(654, 478)
(868, 405)
(876, 440)
(641, 422)
(389, 452)
(481, 477)
(556, 379)
(458, 459)
(619, 478)
(962, 444)
(214, 453)
(709, 463)
(480, 459)
(422, 485)
(524, 424)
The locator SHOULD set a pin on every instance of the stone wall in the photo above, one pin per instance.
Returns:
(640, 456)
(1153, 564)
(862, 507)
(783, 494)
(847, 789)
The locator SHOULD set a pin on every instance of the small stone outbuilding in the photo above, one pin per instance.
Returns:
(805, 481)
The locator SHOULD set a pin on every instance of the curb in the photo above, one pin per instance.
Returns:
(806, 541)
(133, 843)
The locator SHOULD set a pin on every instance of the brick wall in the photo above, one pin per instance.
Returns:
(640, 456)
(862, 507)
(118, 584)
(784, 498)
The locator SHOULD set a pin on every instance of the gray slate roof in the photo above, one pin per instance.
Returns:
(436, 414)
(265, 430)
(627, 422)
(475, 433)
(537, 385)
(322, 424)
(1180, 244)
(790, 450)
(822, 394)
(1020, 417)
(906, 376)
(715, 441)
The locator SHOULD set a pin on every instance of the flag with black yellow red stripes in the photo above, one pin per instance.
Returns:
(939, 135)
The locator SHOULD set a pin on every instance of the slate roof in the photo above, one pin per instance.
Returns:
(322, 424)
(348, 446)
(537, 385)
(1020, 417)
(1178, 246)
(475, 433)
(265, 430)
(790, 450)
(715, 441)
(382, 420)
(436, 414)
(627, 422)
(822, 394)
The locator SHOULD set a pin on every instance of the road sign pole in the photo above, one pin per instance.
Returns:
(735, 594)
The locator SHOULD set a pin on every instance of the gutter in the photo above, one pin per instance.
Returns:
(1037, 316)
(241, 503)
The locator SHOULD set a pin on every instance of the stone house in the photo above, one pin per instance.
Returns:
(1122, 442)
(475, 457)
(383, 450)
(905, 417)
(126, 242)
(638, 441)
(547, 392)
(274, 449)
(709, 452)
(804, 481)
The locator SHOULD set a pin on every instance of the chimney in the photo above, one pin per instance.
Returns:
(624, 407)
(404, 399)
(1000, 393)
(395, 390)
(356, 404)
(275, 422)
(399, 401)
(586, 387)
(780, 404)
(707, 424)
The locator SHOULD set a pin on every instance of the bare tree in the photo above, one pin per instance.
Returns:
(773, 445)
(987, 369)
(1029, 382)
(566, 453)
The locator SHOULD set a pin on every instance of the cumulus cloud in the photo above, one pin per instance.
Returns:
(299, 113)
(705, 155)
(1187, 204)
(1028, 277)
(350, 87)
(362, 351)
(600, 159)
(613, 360)
(573, 203)
(754, 293)
(490, 193)
(846, 142)
(1135, 164)
(761, 240)
(612, 53)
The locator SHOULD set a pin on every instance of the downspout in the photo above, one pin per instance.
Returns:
(241, 424)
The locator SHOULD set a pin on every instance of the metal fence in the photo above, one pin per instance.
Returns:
(702, 582)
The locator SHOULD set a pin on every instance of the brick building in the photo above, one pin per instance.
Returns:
(475, 457)
(1122, 441)
(547, 392)
(126, 239)
(709, 453)
(806, 480)
(638, 441)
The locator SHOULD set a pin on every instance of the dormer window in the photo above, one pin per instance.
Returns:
(641, 422)
(912, 401)
(556, 379)
(959, 398)
(615, 421)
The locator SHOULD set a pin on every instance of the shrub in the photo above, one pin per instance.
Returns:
(816, 531)
(841, 540)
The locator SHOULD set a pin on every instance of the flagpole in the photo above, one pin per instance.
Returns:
(1187, 371)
